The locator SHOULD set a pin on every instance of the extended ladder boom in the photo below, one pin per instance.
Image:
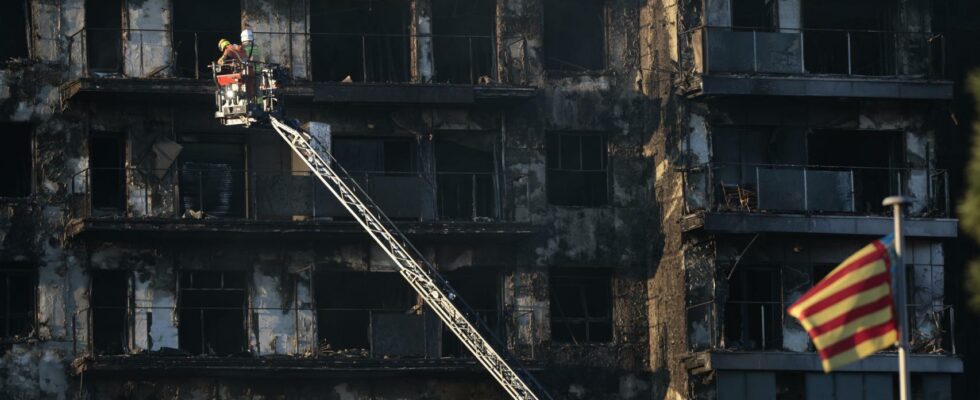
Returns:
(434, 290)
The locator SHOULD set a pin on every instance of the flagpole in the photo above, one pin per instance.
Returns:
(899, 287)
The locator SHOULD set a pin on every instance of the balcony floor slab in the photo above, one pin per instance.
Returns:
(744, 222)
(786, 361)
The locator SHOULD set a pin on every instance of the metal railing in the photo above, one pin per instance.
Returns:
(292, 330)
(854, 53)
(759, 325)
(220, 192)
(366, 57)
(748, 187)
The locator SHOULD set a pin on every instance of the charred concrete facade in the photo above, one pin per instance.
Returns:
(163, 255)
(783, 126)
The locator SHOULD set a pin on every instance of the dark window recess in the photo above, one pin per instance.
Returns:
(366, 40)
(790, 386)
(463, 45)
(388, 156)
(14, 26)
(198, 25)
(103, 35)
(874, 178)
(465, 181)
(839, 32)
(212, 178)
(212, 312)
(576, 173)
(581, 306)
(753, 312)
(481, 291)
(110, 297)
(347, 303)
(574, 35)
(754, 15)
(17, 283)
(387, 168)
(107, 171)
(16, 160)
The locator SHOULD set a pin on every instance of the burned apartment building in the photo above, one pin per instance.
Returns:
(628, 193)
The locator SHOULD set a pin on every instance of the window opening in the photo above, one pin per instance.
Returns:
(754, 15)
(574, 35)
(17, 281)
(876, 174)
(839, 33)
(14, 28)
(581, 306)
(365, 40)
(466, 185)
(213, 177)
(576, 174)
(481, 291)
(110, 298)
(16, 160)
(212, 312)
(348, 302)
(463, 44)
(103, 35)
(198, 25)
(107, 171)
(753, 312)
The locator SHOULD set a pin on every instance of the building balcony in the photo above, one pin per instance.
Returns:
(378, 68)
(761, 198)
(199, 201)
(816, 63)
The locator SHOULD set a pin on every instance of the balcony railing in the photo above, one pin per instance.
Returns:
(759, 325)
(367, 57)
(852, 53)
(206, 191)
(817, 189)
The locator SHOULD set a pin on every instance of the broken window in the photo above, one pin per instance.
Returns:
(465, 183)
(103, 35)
(754, 15)
(350, 304)
(849, 37)
(198, 26)
(17, 283)
(15, 29)
(387, 168)
(581, 305)
(576, 174)
(212, 175)
(212, 312)
(875, 174)
(463, 45)
(107, 171)
(480, 289)
(753, 311)
(365, 40)
(16, 159)
(109, 301)
(743, 155)
(574, 35)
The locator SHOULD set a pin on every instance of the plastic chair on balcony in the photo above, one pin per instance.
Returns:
(738, 196)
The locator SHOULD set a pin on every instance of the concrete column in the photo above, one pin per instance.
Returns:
(147, 50)
(423, 67)
(790, 15)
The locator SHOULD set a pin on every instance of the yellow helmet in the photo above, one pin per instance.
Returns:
(222, 43)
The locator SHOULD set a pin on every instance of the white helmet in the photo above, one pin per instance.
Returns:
(247, 35)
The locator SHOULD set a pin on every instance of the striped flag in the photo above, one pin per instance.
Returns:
(850, 314)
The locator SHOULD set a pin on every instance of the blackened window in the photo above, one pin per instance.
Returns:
(753, 312)
(576, 169)
(107, 174)
(574, 35)
(465, 180)
(14, 28)
(16, 160)
(581, 306)
(103, 35)
(366, 40)
(212, 312)
(17, 284)
(754, 15)
(480, 289)
(213, 175)
(463, 44)
(110, 298)
(348, 301)
(198, 25)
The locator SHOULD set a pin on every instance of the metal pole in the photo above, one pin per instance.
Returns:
(898, 284)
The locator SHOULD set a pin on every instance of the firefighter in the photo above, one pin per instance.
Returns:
(252, 51)
(230, 52)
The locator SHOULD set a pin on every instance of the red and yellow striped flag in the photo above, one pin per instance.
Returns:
(850, 314)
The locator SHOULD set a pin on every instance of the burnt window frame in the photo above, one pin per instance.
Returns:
(586, 282)
(771, 335)
(603, 58)
(492, 319)
(28, 131)
(121, 174)
(372, 67)
(774, 18)
(28, 29)
(553, 166)
(94, 307)
(23, 269)
(246, 290)
(484, 185)
(97, 34)
(189, 139)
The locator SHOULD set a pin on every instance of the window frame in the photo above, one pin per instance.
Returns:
(604, 169)
(560, 72)
(584, 279)
(245, 309)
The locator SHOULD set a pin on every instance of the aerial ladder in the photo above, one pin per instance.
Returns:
(245, 96)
